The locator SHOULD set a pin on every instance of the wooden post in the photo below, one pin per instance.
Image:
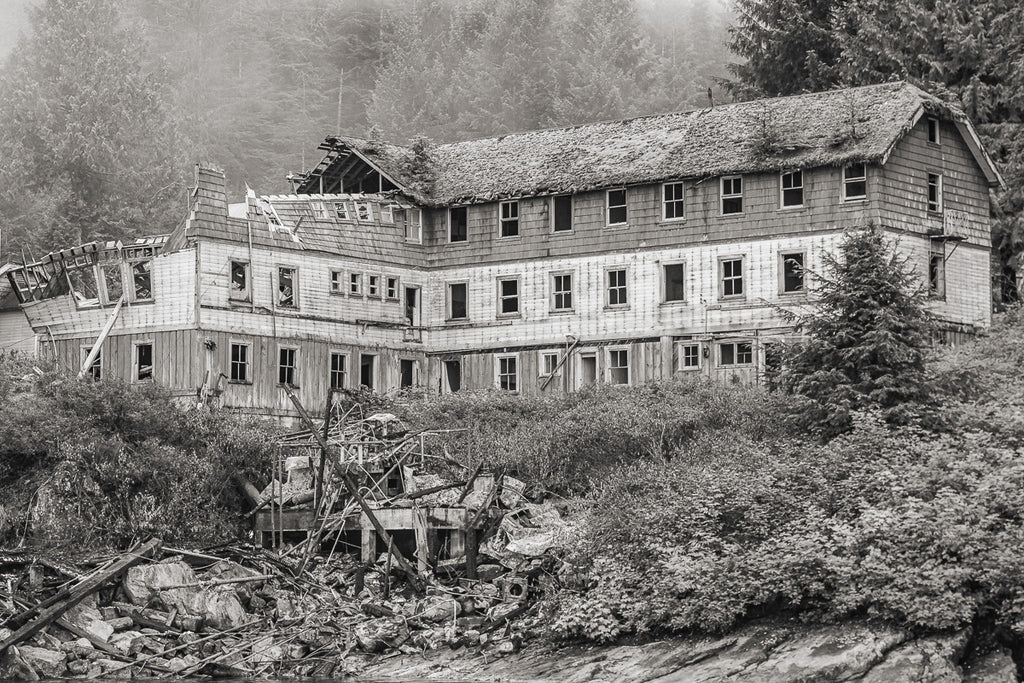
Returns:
(95, 350)
(457, 543)
(369, 546)
(471, 548)
(319, 497)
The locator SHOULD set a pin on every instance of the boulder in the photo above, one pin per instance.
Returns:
(264, 651)
(219, 606)
(176, 664)
(111, 668)
(925, 659)
(79, 667)
(226, 569)
(376, 635)
(127, 642)
(145, 583)
(47, 663)
(87, 617)
(14, 668)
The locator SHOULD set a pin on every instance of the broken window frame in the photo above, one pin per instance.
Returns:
(83, 267)
(281, 299)
(387, 213)
(506, 298)
(134, 277)
(287, 366)
(239, 295)
(373, 286)
(105, 269)
(934, 192)
(790, 270)
(364, 212)
(934, 131)
(355, 284)
(94, 371)
(341, 211)
(937, 272)
(337, 370)
(137, 367)
(239, 364)
(506, 372)
(319, 209)
(337, 282)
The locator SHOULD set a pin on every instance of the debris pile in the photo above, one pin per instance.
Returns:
(250, 611)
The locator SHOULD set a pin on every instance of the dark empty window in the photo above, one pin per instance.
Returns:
(366, 362)
(339, 370)
(617, 288)
(286, 366)
(457, 227)
(792, 189)
(239, 281)
(732, 277)
(736, 353)
(457, 301)
(855, 181)
(933, 131)
(508, 297)
(453, 374)
(672, 201)
(508, 373)
(286, 287)
(561, 292)
(562, 213)
(675, 285)
(617, 207)
(793, 272)
(509, 219)
(142, 277)
(143, 362)
(934, 192)
(732, 194)
(937, 275)
(408, 368)
(618, 366)
(239, 371)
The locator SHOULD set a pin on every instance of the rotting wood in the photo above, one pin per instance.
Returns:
(353, 491)
(81, 591)
(94, 352)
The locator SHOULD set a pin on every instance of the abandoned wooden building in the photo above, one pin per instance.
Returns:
(541, 261)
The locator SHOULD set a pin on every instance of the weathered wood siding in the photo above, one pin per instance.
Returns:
(16, 335)
(177, 356)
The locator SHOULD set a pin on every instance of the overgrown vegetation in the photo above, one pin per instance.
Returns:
(85, 463)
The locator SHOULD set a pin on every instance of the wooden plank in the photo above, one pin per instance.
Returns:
(82, 591)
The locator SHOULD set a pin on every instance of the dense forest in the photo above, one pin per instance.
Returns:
(105, 104)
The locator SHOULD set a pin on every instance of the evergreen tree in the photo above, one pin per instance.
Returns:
(866, 339)
(89, 151)
(789, 46)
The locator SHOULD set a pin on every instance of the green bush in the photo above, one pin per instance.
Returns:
(85, 463)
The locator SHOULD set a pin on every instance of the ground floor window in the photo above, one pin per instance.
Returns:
(736, 353)
(508, 373)
(618, 366)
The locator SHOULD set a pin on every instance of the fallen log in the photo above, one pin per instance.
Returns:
(80, 592)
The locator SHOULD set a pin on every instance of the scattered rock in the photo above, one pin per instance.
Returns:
(14, 668)
(46, 663)
(377, 635)
(144, 583)
(86, 616)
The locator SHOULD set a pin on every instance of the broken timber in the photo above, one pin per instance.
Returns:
(80, 592)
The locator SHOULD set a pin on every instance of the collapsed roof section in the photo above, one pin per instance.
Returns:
(803, 131)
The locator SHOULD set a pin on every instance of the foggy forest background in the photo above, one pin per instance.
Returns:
(105, 105)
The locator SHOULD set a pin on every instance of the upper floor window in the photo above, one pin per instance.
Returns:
(792, 185)
(934, 192)
(287, 287)
(391, 289)
(373, 285)
(508, 373)
(341, 210)
(675, 283)
(855, 182)
(319, 209)
(561, 292)
(617, 287)
(933, 131)
(457, 303)
(732, 194)
(355, 284)
(937, 274)
(508, 296)
(672, 201)
(792, 279)
(337, 282)
(142, 279)
(561, 213)
(457, 226)
(364, 212)
(239, 287)
(411, 221)
(731, 272)
(616, 207)
(508, 219)
(387, 213)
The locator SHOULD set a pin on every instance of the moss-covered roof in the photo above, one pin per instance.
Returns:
(819, 129)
